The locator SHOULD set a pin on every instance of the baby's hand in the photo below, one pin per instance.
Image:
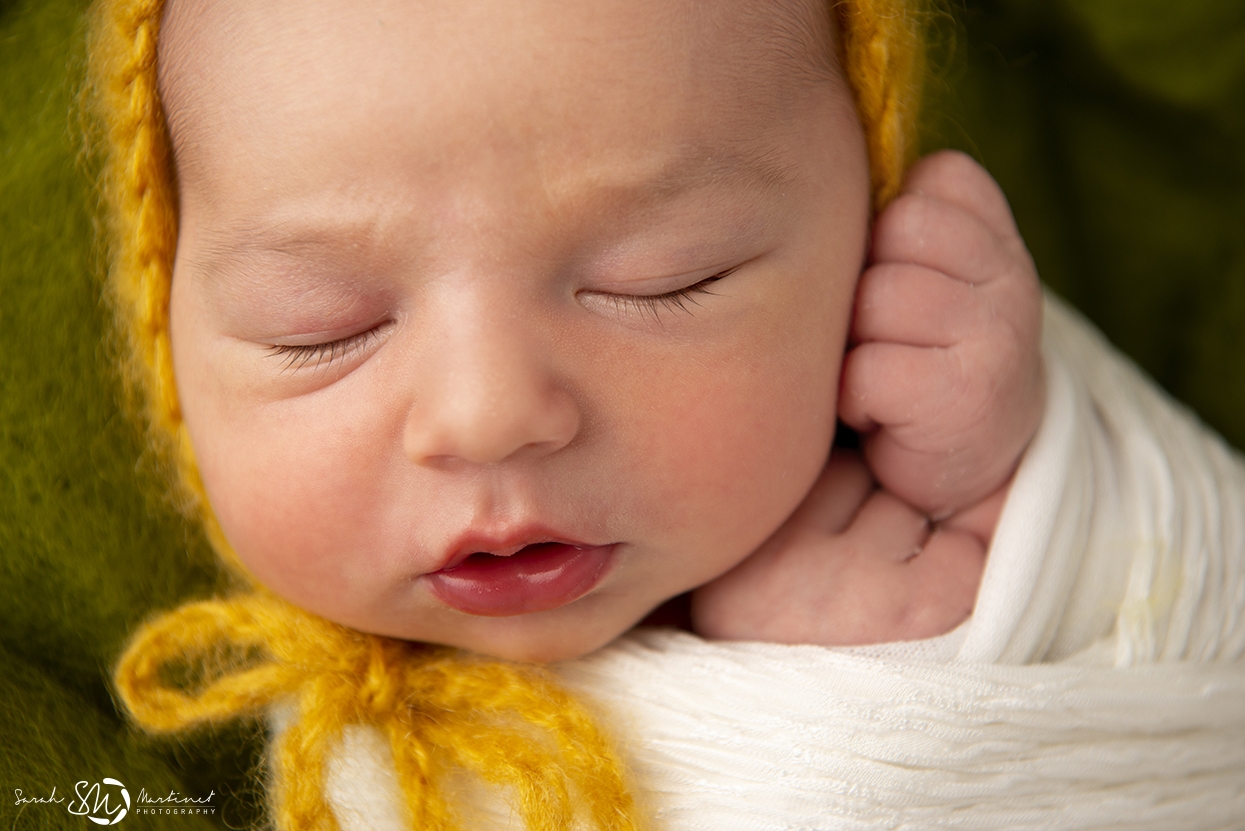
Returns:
(853, 565)
(945, 384)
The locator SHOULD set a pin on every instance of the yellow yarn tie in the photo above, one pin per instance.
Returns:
(439, 710)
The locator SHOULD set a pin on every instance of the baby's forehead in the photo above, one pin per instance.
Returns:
(213, 53)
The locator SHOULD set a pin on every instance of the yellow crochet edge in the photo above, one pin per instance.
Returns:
(441, 710)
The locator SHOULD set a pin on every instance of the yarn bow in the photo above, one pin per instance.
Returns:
(439, 709)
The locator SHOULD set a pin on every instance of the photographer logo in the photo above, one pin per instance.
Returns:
(95, 801)
(107, 802)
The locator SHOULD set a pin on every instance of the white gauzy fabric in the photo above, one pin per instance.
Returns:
(1127, 517)
(1099, 684)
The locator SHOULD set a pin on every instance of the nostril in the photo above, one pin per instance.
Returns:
(481, 430)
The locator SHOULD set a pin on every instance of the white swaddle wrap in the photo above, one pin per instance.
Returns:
(1099, 684)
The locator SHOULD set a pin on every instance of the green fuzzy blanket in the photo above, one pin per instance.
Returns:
(1117, 128)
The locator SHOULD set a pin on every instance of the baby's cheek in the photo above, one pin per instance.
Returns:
(293, 496)
(734, 450)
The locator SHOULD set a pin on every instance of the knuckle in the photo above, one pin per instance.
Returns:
(904, 220)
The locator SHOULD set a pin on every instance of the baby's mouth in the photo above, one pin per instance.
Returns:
(534, 578)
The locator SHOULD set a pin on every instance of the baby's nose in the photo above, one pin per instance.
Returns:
(489, 394)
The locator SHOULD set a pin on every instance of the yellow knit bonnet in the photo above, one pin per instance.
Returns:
(441, 710)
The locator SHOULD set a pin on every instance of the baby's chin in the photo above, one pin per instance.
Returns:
(542, 653)
(537, 646)
(543, 637)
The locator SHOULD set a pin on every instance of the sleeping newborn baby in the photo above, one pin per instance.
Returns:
(499, 325)
(501, 370)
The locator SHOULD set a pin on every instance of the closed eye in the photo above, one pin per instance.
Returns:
(679, 300)
(296, 357)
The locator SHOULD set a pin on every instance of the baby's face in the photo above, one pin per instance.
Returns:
(496, 324)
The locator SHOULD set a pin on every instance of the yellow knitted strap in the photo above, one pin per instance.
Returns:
(512, 726)
(883, 60)
(138, 186)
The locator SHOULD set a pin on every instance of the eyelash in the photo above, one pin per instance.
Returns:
(676, 301)
(298, 356)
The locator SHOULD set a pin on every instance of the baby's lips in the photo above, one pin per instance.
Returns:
(536, 578)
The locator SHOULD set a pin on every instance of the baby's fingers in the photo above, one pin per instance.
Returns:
(886, 529)
(953, 177)
(910, 304)
(834, 498)
(895, 384)
(942, 236)
(922, 580)
(942, 584)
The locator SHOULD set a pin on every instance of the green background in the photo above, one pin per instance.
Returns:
(1116, 127)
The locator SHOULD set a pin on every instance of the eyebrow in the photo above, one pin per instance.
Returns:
(757, 168)
(234, 255)
(751, 165)
(292, 237)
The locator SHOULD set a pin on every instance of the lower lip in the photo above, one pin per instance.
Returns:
(535, 579)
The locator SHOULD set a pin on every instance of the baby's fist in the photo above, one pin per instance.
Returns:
(853, 565)
(945, 382)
